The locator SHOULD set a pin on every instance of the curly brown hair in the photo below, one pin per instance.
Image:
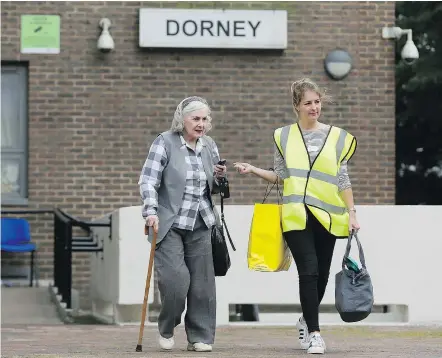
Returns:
(299, 87)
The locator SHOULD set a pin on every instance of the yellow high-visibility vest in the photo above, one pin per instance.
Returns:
(314, 184)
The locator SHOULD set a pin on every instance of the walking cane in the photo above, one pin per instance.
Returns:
(146, 291)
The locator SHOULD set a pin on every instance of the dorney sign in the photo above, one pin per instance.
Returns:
(195, 28)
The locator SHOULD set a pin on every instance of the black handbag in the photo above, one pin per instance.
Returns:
(220, 252)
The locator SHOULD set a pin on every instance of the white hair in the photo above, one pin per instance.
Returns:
(189, 105)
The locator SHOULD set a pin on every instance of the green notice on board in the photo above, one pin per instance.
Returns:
(40, 34)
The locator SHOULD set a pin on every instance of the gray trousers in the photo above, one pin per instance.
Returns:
(184, 267)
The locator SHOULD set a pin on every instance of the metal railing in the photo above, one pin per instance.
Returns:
(65, 244)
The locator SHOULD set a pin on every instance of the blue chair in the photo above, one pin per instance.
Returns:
(16, 237)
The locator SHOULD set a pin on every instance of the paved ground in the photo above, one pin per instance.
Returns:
(113, 341)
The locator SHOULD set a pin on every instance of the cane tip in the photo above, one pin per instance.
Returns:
(139, 348)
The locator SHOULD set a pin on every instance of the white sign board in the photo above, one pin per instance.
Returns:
(194, 28)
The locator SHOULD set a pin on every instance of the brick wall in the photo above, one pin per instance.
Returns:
(92, 117)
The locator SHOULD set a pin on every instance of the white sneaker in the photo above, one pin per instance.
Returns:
(304, 339)
(166, 344)
(199, 347)
(317, 344)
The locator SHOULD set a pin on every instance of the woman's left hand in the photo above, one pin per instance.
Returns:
(353, 222)
(220, 170)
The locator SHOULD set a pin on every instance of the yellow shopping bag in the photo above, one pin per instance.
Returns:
(268, 251)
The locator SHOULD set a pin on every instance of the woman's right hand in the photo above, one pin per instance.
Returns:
(152, 220)
(244, 168)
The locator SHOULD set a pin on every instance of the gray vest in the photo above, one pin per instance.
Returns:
(173, 183)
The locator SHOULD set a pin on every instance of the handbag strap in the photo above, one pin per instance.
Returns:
(224, 223)
(267, 192)
(347, 250)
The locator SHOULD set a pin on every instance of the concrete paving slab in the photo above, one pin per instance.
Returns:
(28, 305)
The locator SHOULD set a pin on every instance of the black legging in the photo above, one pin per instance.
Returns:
(312, 250)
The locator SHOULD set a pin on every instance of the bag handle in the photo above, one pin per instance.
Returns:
(267, 192)
(224, 223)
(347, 250)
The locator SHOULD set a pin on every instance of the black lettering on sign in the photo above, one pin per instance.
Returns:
(186, 28)
(169, 27)
(237, 27)
(254, 28)
(206, 25)
(225, 29)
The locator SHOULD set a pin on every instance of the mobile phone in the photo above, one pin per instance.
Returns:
(222, 162)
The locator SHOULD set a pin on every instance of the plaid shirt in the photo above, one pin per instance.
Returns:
(195, 198)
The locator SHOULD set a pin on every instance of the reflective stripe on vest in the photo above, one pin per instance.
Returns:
(314, 184)
(314, 202)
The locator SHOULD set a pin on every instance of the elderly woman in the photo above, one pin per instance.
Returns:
(176, 183)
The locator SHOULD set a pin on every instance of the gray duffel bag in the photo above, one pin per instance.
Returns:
(353, 288)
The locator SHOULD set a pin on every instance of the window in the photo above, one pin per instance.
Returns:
(14, 138)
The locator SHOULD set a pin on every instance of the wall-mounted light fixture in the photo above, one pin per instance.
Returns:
(338, 64)
(105, 41)
(409, 52)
